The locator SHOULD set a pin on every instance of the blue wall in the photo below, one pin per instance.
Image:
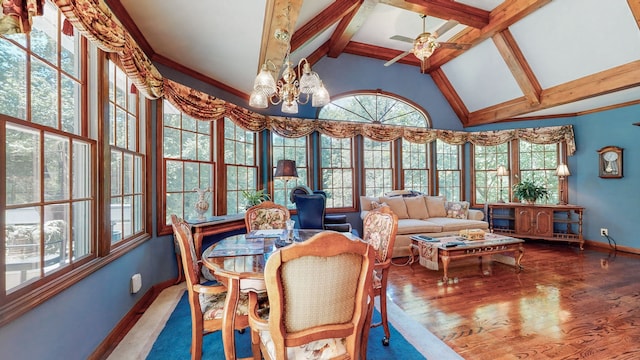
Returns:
(73, 323)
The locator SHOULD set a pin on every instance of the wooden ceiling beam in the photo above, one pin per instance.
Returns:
(616, 79)
(451, 95)
(518, 65)
(349, 26)
(329, 16)
(444, 9)
(634, 5)
(501, 18)
(279, 15)
(377, 52)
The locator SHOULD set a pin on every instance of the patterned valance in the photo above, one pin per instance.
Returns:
(17, 15)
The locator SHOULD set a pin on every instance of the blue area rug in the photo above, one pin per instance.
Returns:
(174, 341)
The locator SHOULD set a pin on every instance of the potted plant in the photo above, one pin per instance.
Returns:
(529, 191)
(254, 197)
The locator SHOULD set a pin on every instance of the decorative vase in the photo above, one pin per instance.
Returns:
(202, 205)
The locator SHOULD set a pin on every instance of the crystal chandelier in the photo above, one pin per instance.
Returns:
(288, 90)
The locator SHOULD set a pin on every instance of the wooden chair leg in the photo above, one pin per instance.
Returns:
(383, 315)
(197, 332)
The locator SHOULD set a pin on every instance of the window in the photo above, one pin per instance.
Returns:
(539, 163)
(127, 157)
(415, 166)
(378, 174)
(489, 187)
(187, 148)
(448, 172)
(290, 149)
(375, 107)
(240, 163)
(49, 198)
(336, 162)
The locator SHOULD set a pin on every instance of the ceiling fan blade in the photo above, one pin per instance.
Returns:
(397, 58)
(445, 27)
(447, 45)
(402, 38)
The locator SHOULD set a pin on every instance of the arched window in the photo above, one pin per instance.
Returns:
(375, 107)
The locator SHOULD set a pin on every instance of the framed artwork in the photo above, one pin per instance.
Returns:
(610, 162)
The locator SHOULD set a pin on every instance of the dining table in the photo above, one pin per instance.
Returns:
(238, 263)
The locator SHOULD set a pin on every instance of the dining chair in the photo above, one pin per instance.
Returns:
(319, 295)
(379, 229)
(206, 301)
(266, 216)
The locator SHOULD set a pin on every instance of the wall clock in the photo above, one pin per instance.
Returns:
(610, 162)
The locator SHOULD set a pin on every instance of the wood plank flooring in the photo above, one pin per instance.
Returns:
(565, 304)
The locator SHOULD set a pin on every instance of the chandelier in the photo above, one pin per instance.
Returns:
(288, 90)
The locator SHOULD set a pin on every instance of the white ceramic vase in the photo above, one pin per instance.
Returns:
(202, 205)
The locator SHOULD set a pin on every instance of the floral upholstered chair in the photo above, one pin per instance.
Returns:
(266, 216)
(379, 229)
(312, 316)
(206, 301)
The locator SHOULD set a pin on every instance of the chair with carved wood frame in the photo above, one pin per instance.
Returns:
(379, 229)
(206, 301)
(266, 216)
(320, 294)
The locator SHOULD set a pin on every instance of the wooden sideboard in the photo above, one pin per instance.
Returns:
(547, 222)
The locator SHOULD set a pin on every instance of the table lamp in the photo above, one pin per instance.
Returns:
(500, 172)
(286, 170)
(562, 172)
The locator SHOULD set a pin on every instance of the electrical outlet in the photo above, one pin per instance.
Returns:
(604, 232)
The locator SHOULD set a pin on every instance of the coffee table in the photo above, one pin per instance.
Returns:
(497, 246)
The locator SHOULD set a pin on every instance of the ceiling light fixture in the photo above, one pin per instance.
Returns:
(425, 44)
(288, 90)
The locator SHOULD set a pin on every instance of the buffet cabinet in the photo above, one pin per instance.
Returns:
(530, 221)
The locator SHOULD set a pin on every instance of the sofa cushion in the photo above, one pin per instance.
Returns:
(457, 209)
(416, 207)
(397, 206)
(435, 206)
(450, 224)
(365, 202)
(415, 226)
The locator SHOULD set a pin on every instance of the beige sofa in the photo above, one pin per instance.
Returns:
(428, 215)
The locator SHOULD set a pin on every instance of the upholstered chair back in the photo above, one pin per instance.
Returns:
(266, 216)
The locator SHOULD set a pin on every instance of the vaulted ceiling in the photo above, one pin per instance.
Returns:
(526, 58)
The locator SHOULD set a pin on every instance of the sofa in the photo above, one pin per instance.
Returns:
(423, 214)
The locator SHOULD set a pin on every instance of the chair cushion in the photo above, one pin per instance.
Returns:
(212, 305)
(267, 219)
(319, 349)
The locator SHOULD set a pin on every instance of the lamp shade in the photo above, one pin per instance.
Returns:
(562, 170)
(286, 170)
(502, 171)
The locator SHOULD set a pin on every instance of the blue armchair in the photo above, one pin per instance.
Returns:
(311, 210)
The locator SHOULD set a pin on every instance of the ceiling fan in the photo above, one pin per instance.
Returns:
(425, 44)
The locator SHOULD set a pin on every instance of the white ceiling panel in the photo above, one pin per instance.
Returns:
(481, 4)
(562, 45)
(481, 77)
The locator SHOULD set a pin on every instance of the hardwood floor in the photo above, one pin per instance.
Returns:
(565, 304)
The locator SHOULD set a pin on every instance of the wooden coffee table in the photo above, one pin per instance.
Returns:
(430, 253)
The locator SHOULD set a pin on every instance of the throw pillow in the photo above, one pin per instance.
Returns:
(397, 206)
(457, 209)
(366, 201)
(435, 206)
(416, 207)
(377, 205)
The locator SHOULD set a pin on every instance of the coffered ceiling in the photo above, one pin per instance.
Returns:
(526, 58)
